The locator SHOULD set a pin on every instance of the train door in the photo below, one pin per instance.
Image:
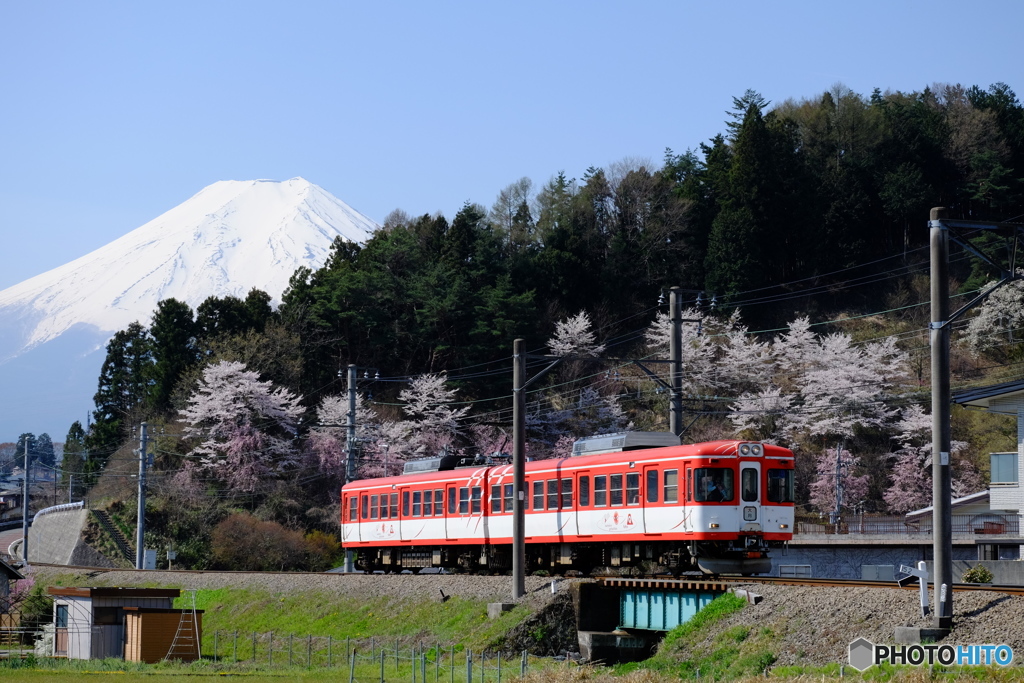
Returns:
(451, 509)
(405, 523)
(750, 496)
(584, 504)
(650, 499)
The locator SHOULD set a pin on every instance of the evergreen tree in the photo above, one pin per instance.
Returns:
(73, 462)
(174, 349)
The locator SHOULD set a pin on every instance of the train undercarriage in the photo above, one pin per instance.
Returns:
(746, 555)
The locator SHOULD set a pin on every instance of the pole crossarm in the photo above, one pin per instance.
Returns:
(658, 380)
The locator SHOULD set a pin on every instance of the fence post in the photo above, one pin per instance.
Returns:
(396, 656)
(469, 666)
(215, 646)
(309, 649)
(451, 665)
(348, 643)
(254, 646)
(328, 652)
(483, 666)
(351, 667)
(412, 662)
(234, 650)
(270, 649)
(499, 666)
(522, 667)
(290, 636)
(437, 663)
(381, 665)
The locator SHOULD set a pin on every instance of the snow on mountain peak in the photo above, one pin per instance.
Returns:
(229, 237)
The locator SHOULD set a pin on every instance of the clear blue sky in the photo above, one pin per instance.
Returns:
(114, 112)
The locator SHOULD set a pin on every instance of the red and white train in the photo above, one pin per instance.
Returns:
(714, 507)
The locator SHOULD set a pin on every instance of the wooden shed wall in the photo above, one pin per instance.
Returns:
(151, 634)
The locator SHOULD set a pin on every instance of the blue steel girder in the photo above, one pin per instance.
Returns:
(660, 610)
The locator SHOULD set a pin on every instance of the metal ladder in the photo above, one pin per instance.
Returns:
(186, 639)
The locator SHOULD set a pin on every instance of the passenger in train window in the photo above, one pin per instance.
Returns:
(713, 492)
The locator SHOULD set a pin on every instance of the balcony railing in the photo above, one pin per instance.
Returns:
(982, 525)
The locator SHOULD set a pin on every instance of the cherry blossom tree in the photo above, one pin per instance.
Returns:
(246, 427)
(434, 419)
(697, 349)
(1000, 318)
(761, 415)
(574, 337)
(823, 488)
(329, 439)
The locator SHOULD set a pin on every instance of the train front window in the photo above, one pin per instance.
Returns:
(633, 488)
(671, 486)
(538, 495)
(652, 486)
(600, 491)
(616, 489)
(713, 484)
(780, 486)
(748, 484)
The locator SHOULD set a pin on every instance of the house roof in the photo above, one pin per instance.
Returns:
(111, 592)
(979, 497)
(10, 571)
(982, 396)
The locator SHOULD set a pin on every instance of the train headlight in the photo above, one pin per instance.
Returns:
(783, 526)
(755, 449)
(745, 449)
(713, 525)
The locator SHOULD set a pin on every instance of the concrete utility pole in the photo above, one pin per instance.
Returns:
(350, 438)
(675, 352)
(518, 470)
(24, 505)
(942, 521)
(140, 523)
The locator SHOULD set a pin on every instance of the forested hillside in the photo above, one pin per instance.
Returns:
(799, 234)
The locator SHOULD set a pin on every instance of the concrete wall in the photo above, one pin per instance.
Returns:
(1004, 572)
(52, 537)
(844, 562)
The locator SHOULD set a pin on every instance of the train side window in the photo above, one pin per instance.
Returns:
(552, 494)
(713, 484)
(566, 493)
(373, 507)
(633, 488)
(477, 497)
(366, 506)
(584, 491)
(417, 503)
(748, 484)
(383, 506)
(405, 503)
(671, 486)
(600, 491)
(496, 498)
(438, 502)
(428, 503)
(394, 506)
(508, 497)
(616, 489)
(538, 495)
(451, 501)
(353, 509)
(652, 486)
(464, 501)
(780, 486)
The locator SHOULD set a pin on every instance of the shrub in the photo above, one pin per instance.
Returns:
(246, 543)
(979, 574)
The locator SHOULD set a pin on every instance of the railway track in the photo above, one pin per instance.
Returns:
(713, 584)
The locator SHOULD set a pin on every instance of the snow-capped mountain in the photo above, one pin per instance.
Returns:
(230, 237)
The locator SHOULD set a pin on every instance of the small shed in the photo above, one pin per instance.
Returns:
(95, 623)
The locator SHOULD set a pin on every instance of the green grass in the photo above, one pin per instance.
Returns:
(456, 621)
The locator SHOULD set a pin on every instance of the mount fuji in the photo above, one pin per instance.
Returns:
(230, 237)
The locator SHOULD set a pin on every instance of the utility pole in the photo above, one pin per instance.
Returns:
(675, 351)
(350, 439)
(24, 506)
(942, 520)
(140, 524)
(518, 470)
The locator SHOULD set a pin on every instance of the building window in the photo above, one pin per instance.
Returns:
(62, 616)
